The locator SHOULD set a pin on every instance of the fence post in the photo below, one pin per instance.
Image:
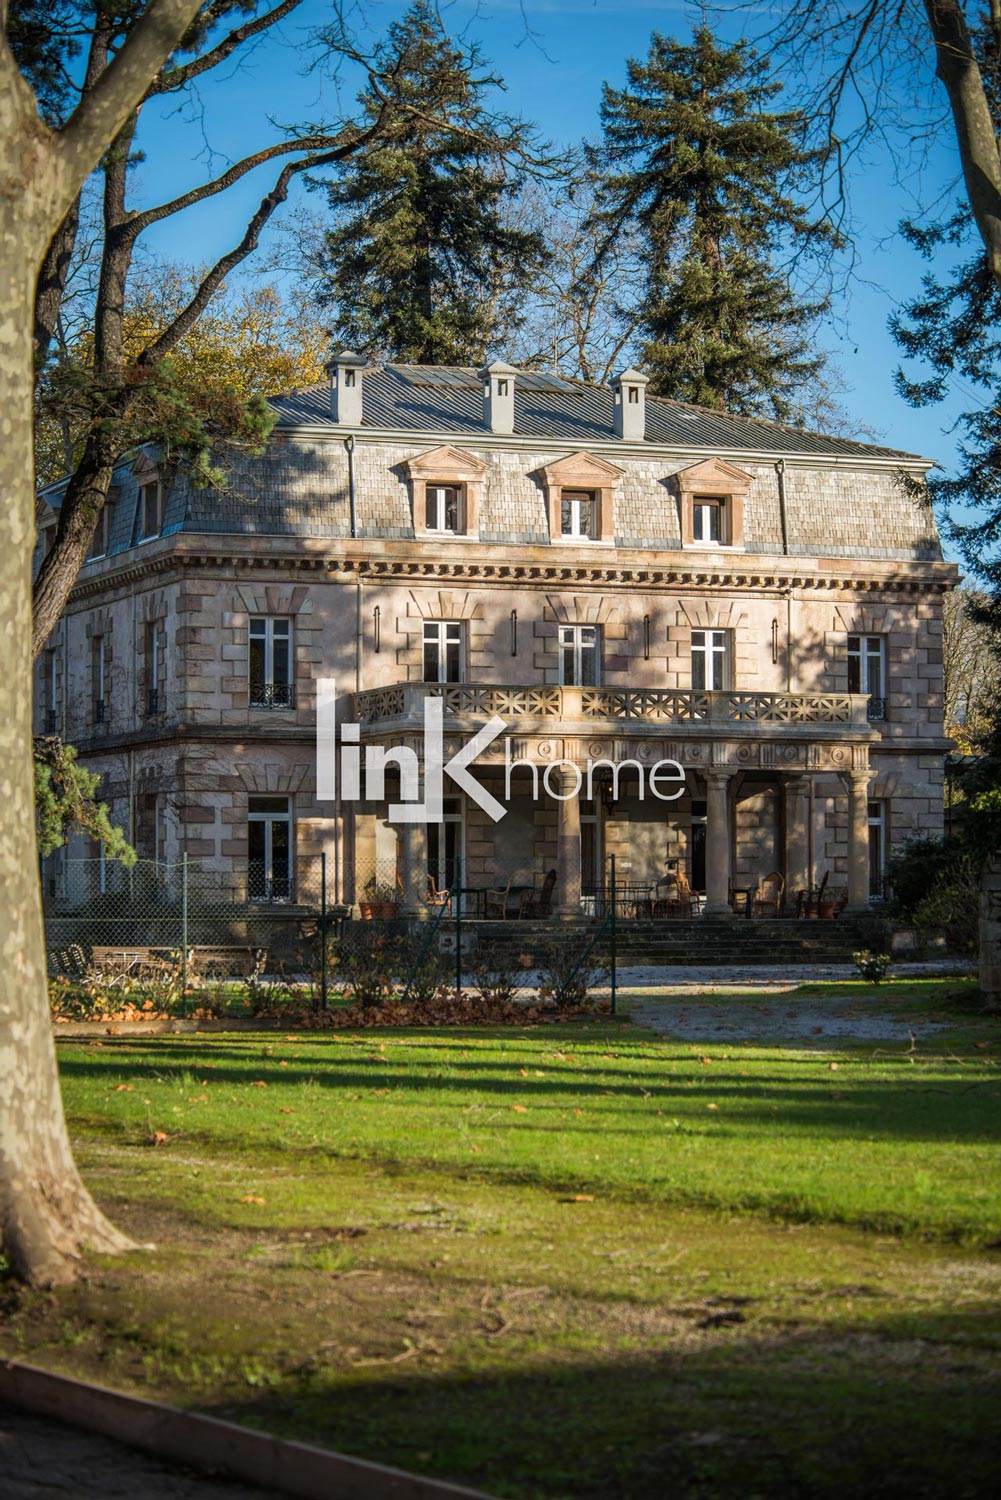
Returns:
(184, 933)
(457, 883)
(612, 934)
(323, 931)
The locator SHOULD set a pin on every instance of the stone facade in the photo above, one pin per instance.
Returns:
(787, 769)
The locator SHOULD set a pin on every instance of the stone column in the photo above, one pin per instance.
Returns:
(364, 860)
(797, 817)
(718, 841)
(567, 902)
(857, 784)
(414, 844)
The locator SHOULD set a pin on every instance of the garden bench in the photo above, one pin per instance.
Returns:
(220, 960)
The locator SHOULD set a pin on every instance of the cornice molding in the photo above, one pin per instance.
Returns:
(742, 575)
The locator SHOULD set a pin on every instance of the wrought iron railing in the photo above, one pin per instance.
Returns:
(51, 721)
(272, 695)
(876, 710)
(154, 703)
(99, 717)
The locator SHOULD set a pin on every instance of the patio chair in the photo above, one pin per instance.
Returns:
(770, 894)
(495, 902)
(536, 904)
(436, 896)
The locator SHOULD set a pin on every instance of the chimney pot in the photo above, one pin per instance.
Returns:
(498, 396)
(346, 404)
(629, 411)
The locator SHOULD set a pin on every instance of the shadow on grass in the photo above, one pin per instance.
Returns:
(891, 1410)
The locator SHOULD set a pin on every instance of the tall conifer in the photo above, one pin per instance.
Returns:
(422, 267)
(710, 177)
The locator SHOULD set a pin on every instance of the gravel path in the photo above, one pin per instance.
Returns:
(672, 1002)
(43, 1460)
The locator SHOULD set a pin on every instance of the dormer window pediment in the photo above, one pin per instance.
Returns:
(580, 498)
(711, 497)
(445, 488)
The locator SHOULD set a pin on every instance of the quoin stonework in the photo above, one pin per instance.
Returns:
(618, 578)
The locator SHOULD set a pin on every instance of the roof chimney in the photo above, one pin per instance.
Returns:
(345, 388)
(498, 396)
(630, 405)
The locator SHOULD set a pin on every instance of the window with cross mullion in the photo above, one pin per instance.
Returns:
(271, 662)
(442, 651)
(710, 661)
(580, 655)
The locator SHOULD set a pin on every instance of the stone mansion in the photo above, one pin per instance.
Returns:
(618, 578)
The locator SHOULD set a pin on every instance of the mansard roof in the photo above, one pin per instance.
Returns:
(448, 400)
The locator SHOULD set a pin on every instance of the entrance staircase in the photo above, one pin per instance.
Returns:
(709, 942)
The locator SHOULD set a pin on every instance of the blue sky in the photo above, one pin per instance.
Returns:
(554, 56)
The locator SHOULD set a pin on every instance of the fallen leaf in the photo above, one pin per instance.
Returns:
(580, 1198)
(124, 1088)
(837, 1094)
(832, 1067)
(251, 1198)
(258, 1083)
(712, 1106)
(159, 1138)
(287, 1110)
(578, 1111)
(520, 1109)
(705, 1059)
(474, 1147)
(522, 1072)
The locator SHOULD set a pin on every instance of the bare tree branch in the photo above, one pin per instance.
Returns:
(169, 80)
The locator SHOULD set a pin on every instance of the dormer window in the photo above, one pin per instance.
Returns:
(580, 499)
(442, 505)
(149, 511)
(711, 499)
(446, 486)
(102, 531)
(578, 514)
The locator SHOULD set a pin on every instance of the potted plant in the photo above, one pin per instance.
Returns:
(380, 901)
(871, 966)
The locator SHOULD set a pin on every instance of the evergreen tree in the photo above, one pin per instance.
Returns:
(695, 161)
(422, 267)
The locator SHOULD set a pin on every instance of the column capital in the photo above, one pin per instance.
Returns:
(857, 781)
(720, 774)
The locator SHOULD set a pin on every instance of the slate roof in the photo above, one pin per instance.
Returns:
(448, 399)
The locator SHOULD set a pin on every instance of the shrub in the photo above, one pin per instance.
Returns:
(871, 966)
(952, 906)
(499, 972)
(368, 961)
(568, 972)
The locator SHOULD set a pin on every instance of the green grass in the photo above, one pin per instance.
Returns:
(882, 1137)
(537, 1262)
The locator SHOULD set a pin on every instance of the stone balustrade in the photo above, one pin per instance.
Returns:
(546, 707)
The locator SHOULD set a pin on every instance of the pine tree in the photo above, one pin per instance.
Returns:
(694, 161)
(421, 266)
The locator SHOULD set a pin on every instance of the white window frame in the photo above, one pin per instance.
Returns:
(269, 818)
(576, 642)
(704, 507)
(439, 635)
(580, 503)
(877, 819)
(712, 648)
(436, 501)
(861, 656)
(140, 533)
(269, 695)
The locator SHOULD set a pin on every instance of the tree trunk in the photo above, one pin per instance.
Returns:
(86, 492)
(47, 1217)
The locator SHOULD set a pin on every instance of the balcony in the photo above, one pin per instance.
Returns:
(546, 709)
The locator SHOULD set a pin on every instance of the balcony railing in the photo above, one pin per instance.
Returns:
(876, 712)
(272, 695)
(640, 706)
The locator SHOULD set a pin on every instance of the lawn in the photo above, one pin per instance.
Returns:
(556, 1261)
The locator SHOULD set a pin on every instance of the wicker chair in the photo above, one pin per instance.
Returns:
(495, 902)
